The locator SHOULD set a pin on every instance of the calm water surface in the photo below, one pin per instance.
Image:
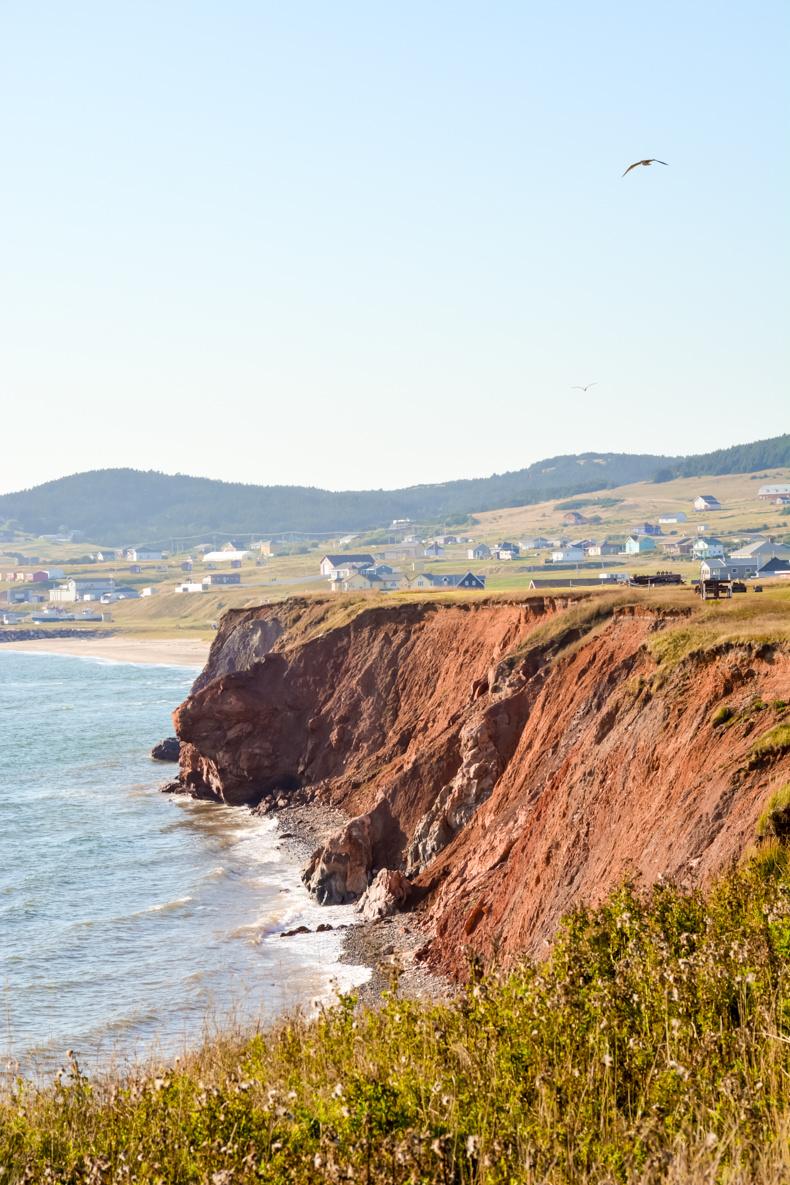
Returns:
(131, 919)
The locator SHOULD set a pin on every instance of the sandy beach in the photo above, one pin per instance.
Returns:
(186, 652)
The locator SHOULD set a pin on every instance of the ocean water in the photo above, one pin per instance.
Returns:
(130, 920)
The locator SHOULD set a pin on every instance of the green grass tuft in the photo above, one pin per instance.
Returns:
(774, 822)
(724, 714)
(771, 744)
(653, 1045)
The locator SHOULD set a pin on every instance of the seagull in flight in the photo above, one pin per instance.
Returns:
(584, 388)
(653, 160)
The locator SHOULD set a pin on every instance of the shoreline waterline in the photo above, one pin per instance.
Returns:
(133, 922)
(188, 652)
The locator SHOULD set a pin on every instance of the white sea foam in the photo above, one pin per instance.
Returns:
(128, 914)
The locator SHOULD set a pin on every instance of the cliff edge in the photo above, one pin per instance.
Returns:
(511, 756)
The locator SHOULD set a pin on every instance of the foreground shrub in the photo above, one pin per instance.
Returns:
(653, 1045)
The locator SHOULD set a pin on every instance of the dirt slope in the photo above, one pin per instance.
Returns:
(513, 756)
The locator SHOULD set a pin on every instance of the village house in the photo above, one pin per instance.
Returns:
(680, 546)
(708, 548)
(89, 589)
(457, 580)
(568, 555)
(186, 566)
(726, 569)
(481, 551)
(505, 551)
(124, 593)
(760, 552)
(677, 516)
(447, 540)
(191, 587)
(774, 567)
(574, 519)
(434, 549)
(639, 544)
(598, 549)
(535, 544)
(222, 578)
(645, 529)
(773, 493)
(409, 549)
(706, 502)
(330, 563)
(272, 547)
(234, 545)
(143, 555)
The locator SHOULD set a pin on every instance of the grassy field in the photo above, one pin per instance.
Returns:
(652, 1046)
(168, 614)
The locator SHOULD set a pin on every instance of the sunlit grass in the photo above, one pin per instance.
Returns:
(653, 1045)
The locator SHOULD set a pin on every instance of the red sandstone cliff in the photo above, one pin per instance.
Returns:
(513, 757)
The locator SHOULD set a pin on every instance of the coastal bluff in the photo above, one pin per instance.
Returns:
(512, 757)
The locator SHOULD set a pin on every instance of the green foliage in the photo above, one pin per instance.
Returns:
(653, 1045)
(774, 822)
(661, 475)
(772, 743)
(127, 506)
(724, 714)
(579, 503)
(741, 458)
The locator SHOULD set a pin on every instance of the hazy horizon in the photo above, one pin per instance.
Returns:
(358, 248)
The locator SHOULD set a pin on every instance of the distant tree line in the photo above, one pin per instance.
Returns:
(130, 506)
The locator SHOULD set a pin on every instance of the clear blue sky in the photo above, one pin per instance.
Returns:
(356, 244)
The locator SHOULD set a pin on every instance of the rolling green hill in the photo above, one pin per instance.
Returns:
(119, 506)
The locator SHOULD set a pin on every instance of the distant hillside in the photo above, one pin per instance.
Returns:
(118, 506)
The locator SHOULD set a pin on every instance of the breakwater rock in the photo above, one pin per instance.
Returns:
(511, 757)
(15, 635)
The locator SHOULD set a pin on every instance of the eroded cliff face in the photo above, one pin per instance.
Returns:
(512, 757)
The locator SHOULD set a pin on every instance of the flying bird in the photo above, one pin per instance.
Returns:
(653, 159)
(584, 388)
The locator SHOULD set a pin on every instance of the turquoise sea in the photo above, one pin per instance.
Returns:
(132, 920)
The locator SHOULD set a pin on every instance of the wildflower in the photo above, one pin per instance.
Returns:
(711, 1140)
(608, 1060)
(472, 1145)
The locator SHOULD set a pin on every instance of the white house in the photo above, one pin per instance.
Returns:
(481, 551)
(677, 516)
(329, 563)
(568, 555)
(83, 590)
(434, 549)
(190, 587)
(143, 555)
(148, 592)
(708, 548)
(706, 502)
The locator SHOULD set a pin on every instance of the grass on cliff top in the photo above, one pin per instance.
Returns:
(754, 618)
(653, 1045)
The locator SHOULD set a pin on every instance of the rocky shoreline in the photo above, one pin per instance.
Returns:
(10, 635)
(388, 946)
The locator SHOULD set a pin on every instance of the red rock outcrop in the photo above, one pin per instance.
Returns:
(515, 756)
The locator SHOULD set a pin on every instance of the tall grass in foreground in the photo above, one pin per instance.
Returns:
(653, 1045)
